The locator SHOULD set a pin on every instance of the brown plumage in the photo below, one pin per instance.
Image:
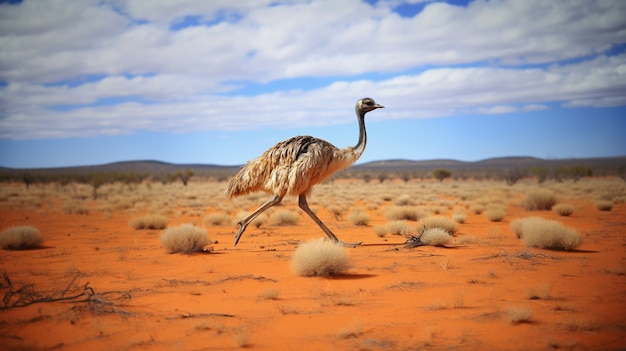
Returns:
(294, 166)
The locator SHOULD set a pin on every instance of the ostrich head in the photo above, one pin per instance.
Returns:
(366, 105)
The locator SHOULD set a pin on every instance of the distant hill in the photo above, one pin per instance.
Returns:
(157, 168)
(494, 163)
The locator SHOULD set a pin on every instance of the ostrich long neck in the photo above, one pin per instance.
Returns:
(360, 145)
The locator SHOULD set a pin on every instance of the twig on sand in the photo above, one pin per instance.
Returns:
(200, 315)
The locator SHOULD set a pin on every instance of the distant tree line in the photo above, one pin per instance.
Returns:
(94, 179)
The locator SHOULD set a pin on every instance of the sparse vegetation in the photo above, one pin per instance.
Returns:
(284, 217)
(539, 200)
(441, 174)
(604, 205)
(184, 238)
(435, 236)
(563, 209)
(320, 258)
(517, 315)
(216, 218)
(545, 233)
(495, 214)
(20, 238)
(151, 221)
(359, 217)
(447, 224)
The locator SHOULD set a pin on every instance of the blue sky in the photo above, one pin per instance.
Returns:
(218, 82)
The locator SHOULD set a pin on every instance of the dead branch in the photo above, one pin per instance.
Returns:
(200, 315)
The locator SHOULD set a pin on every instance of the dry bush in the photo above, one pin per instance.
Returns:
(216, 218)
(495, 214)
(435, 236)
(20, 238)
(150, 221)
(75, 207)
(516, 315)
(410, 213)
(604, 205)
(284, 217)
(539, 200)
(545, 233)
(320, 258)
(444, 223)
(516, 227)
(184, 238)
(563, 209)
(477, 208)
(400, 228)
(459, 216)
(380, 230)
(358, 217)
(404, 200)
(337, 211)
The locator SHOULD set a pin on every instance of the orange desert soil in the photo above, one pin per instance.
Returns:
(393, 298)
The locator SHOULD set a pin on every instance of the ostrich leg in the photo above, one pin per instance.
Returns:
(243, 224)
(305, 207)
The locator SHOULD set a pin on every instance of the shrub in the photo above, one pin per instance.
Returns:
(184, 238)
(20, 238)
(380, 230)
(410, 213)
(477, 209)
(604, 205)
(320, 258)
(563, 209)
(399, 228)
(459, 216)
(216, 218)
(518, 315)
(149, 222)
(284, 217)
(495, 214)
(539, 200)
(547, 234)
(404, 200)
(444, 223)
(516, 227)
(435, 236)
(358, 217)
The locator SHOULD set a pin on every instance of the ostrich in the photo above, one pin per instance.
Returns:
(294, 166)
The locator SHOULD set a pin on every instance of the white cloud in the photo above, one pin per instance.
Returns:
(444, 61)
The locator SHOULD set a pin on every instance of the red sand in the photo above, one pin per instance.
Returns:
(392, 299)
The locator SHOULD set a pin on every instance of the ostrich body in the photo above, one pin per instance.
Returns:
(294, 166)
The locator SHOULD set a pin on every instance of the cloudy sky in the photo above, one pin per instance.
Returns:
(193, 81)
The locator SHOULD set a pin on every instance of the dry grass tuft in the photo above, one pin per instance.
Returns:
(320, 258)
(399, 228)
(444, 223)
(604, 205)
(435, 236)
(184, 238)
(150, 221)
(404, 200)
(517, 315)
(394, 213)
(284, 217)
(20, 238)
(459, 216)
(495, 214)
(359, 217)
(216, 218)
(564, 209)
(539, 200)
(545, 233)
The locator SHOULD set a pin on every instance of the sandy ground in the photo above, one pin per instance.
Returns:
(133, 295)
